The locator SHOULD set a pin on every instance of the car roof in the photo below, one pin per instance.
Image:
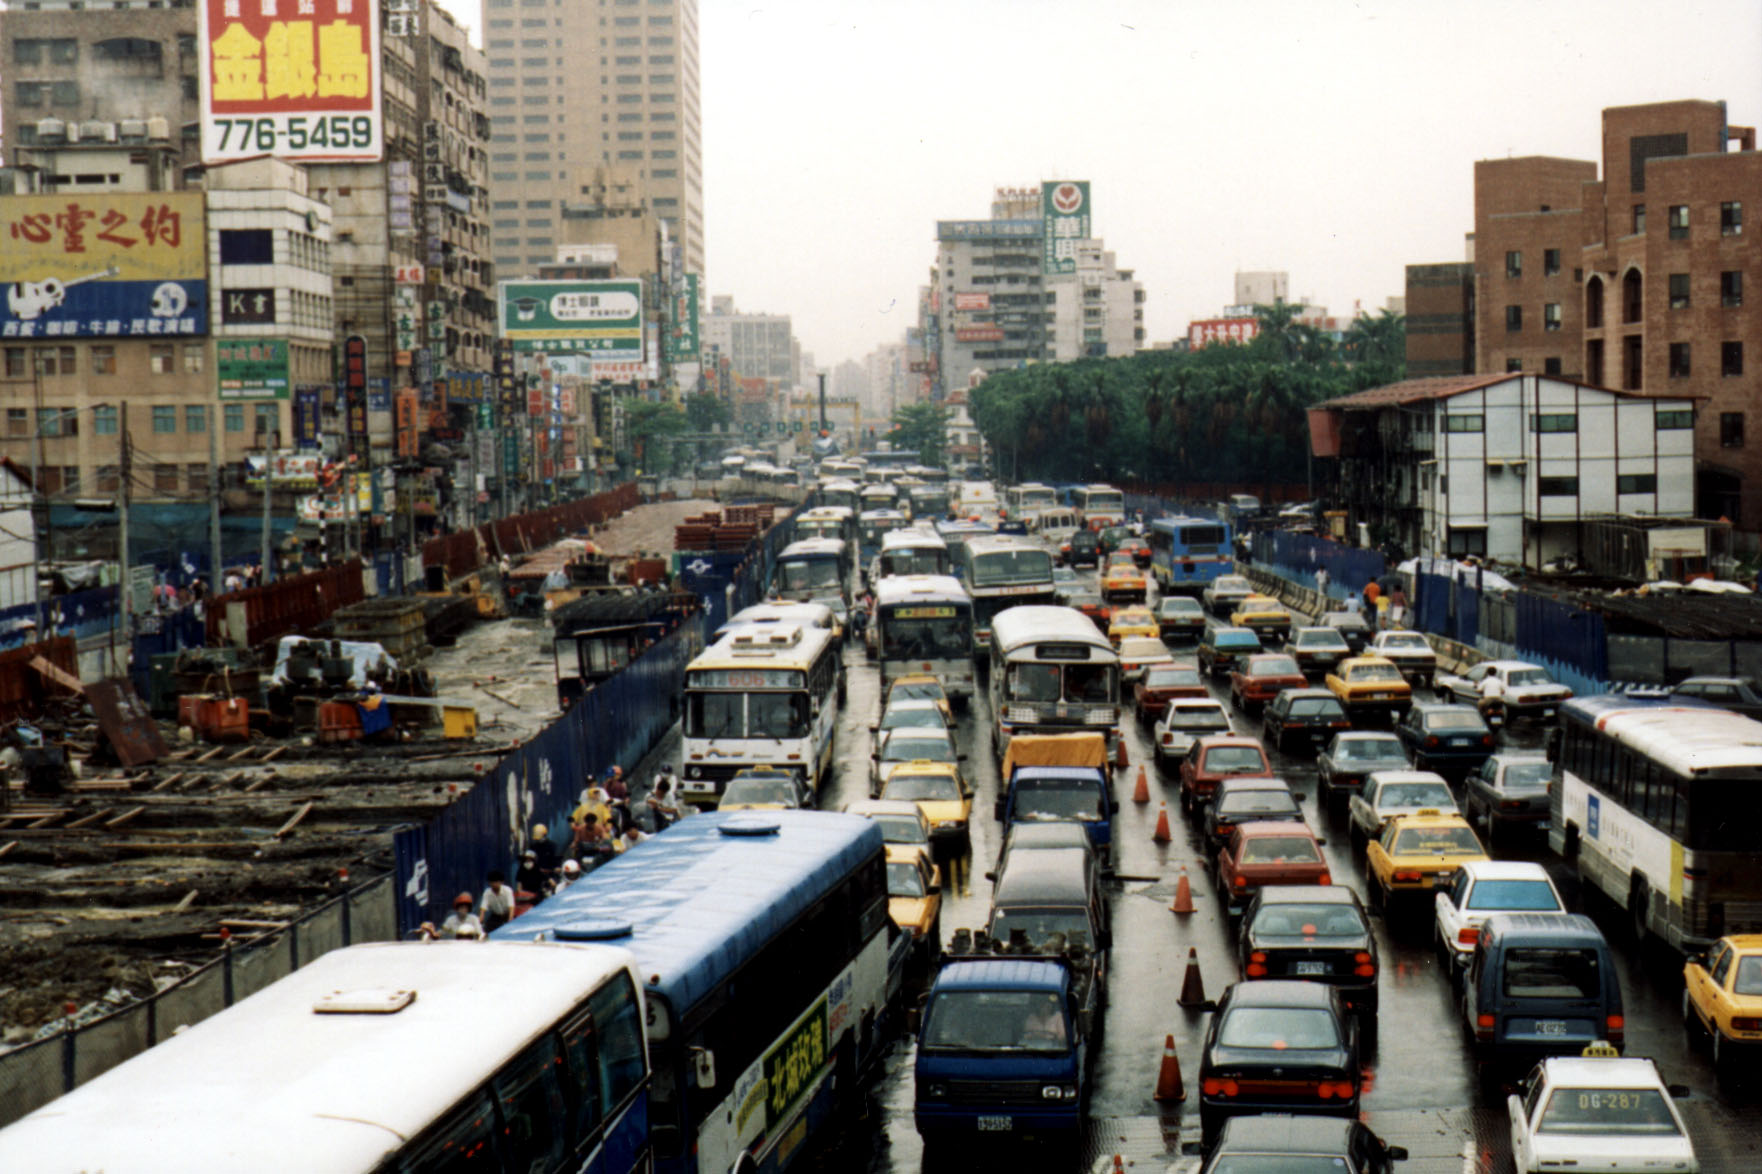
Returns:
(1594, 1071)
(1309, 692)
(915, 703)
(1368, 736)
(1406, 776)
(871, 807)
(1359, 661)
(1550, 926)
(1002, 973)
(1055, 874)
(1510, 870)
(1335, 619)
(906, 853)
(1211, 740)
(1280, 992)
(1254, 783)
(1444, 819)
(1307, 895)
(1744, 941)
(1052, 835)
(1432, 707)
(1285, 1135)
(1281, 827)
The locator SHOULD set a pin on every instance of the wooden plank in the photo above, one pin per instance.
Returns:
(7, 847)
(46, 820)
(189, 899)
(245, 753)
(259, 784)
(195, 780)
(125, 817)
(57, 674)
(233, 779)
(274, 754)
(92, 817)
(167, 781)
(293, 820)
(251, 923)
(214, 753)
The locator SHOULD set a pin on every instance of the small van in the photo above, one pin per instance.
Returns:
(1540, 984)
(1047, 892)
(1054, 525)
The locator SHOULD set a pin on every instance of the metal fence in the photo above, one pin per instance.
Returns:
(1299, 556)
(35, 1074)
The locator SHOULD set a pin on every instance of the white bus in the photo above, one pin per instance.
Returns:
(914, 550)
(846, 494)
(1655, 805)
(814, 569)
(761, 696)
(1052, 672)
(924, 624)
(1029, 498)
(1100, 506)
(392, 1056)
(1001, 570)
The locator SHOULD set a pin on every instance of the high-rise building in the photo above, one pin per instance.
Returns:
(1263, 287)
(1439, 311)
(1096, 311)
(606, 82)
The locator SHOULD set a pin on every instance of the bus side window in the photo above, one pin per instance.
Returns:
(533, 1113)
(621, 1065)
(465, 1144)
(582, 1051)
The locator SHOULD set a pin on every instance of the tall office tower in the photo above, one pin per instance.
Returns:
(577, 85)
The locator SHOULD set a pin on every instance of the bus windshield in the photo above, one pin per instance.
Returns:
(1041, 682)
(926, 637)
(808, 574)
(1012, 566)
(1059, 799)
(746, 715)
(929, 561)
(1109, 501)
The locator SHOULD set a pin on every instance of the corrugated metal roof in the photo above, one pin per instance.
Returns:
(1688, 615)
(1410, 391)
(1017, 973)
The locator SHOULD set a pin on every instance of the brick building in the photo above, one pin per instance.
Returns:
(1440, 319)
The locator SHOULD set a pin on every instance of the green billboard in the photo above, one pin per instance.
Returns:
(682, 333)
(251, 368)
(599, 318)
(1064, 213)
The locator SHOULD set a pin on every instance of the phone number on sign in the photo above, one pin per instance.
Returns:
(295, 132)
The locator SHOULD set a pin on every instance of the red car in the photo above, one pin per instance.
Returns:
(1258, 679)
(1219, 756)
(1257, 854)
(1137, 548)
(1163, 683)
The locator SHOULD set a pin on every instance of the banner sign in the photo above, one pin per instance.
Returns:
(983, 332)
(248, 307)
(972, 301)
(104, 265)
(355, 390)
(298, 79)
(1210, 331)
(308, 407)
(1065, 212)
(682, 328)
(603, 317)
(252, 368)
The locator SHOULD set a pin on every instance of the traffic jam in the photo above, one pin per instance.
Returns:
(1197, 876)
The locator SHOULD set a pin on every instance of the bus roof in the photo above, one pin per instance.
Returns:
(812, 547)
(329, 1091)
(840, 484)
(1170, 525)
(907, 588)
(881, 516)
(790, 644)
(1684, 735)
(1019, 627)
(699, 901)
(993, 543)
(911, 537)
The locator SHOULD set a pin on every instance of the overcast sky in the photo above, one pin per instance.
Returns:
(1335, 141)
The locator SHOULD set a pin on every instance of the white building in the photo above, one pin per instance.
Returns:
(18, 538)
(1098, 310)
(1507, 467)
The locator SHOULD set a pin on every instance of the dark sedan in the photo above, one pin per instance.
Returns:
(1081, 549)
(1278, 1047)
(1315, 932)
(1295, 1144)
(1352, 758)
(1304, 717)
(1451, 740)
(1240, 801)
(1509, 791)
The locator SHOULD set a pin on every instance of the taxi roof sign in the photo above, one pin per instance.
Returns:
(1600, 1050)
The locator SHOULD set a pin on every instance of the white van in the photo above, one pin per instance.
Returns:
(978, 499)
(1054, 525)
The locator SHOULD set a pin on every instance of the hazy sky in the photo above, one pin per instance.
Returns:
(1335, 141)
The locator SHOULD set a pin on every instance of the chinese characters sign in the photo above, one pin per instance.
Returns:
(299, 79)
(104, 265)
(252, 368)
(682, 332)
(557, 317)
(1210, 331)
(1064, 209)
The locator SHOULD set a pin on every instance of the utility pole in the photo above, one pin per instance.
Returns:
(214, 555)
(39, 543)
(125, 469)
(269, 446)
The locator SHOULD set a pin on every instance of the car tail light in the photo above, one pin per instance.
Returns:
(1214, 1086)
(1486, 739)
(1364, 966)
(1293, 725)
(1432, 741)
(1347, 780)
(1168, 739)
(1510, 804)
(1615, 1026)
(1483, 1026)
(1745, 1023)
(1256, 965)
(1241, 882)
(1406, 876)
(1327, 1090)
(1468, 935)
(1325, 878)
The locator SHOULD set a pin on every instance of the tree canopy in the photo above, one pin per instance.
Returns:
(922, 428)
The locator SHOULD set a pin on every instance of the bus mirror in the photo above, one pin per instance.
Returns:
(703, 1068)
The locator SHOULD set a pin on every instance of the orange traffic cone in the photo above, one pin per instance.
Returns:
(1192, 985)
(1183, 894)
(1119, 758)
(1161, 835)
(1168, 1079)
(1141, 793)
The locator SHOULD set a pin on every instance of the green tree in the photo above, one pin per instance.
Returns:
(649, 427)
(921, 428)
(705, 413)
(1381, 340)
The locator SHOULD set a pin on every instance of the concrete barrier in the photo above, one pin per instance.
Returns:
(1453, 658)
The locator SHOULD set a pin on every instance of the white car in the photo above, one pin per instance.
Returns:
(909, 744)
(1480, 888)
(1598, 1112)
(1389, 793)
(1529, 690)
(1183, 721)
(1409, 652)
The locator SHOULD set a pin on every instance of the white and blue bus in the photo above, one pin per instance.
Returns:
(1186, 554)
(387, 1058)
(924, 624)
(1100, 506)
(913, 550)
(1002, 571)
(766, 947)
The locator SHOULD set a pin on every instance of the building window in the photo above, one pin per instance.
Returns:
(1674, 419)
(1731, 358)
(1679, 360)
(1636, 483)
(1553, 422)
(1464, 422)
(104, 420)
(58, 422)
(1467, 542)
(164, 419)
(70, 478)
(1632, 302)
(1731, 218)
(1639, 219)
(160, 357)
(1514, 264)
(195, 418)
(1551, 316)
(1594, 362)
(1731, 430)
(1731, 291)
(107, 479)
(56, 361)
(1513, 319)
(16, 362)
(1633, 362)
(165, 479)
(268, 418)
(1550, 262)
(1679, 222)
(247, 246)
(1594, 304)
(193, 357)
(1513, 365)
(196, 477)
(1557, 486)
(235, 417)
(1679, 291)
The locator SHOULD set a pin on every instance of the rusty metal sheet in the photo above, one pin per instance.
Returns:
(125, 721)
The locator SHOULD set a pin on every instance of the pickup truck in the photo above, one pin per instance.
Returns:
(1059, 778)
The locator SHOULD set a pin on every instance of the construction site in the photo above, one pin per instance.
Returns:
(143, 832)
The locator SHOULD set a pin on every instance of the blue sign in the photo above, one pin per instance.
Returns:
(104, 309)
(379, 395)
(1593, 815)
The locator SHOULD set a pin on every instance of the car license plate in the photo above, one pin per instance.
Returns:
(1550, 1027)
(1547, 714)
(1461, 741)
(1306, 969)
(994, 1124)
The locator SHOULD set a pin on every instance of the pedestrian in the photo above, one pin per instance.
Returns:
(529, 881)
(1321, 584)
(632, 836)
(592, 842)
(1352, 603)
(462, 923)
(1398, 605)
(549, 858)
(496, 907)
(663, 807)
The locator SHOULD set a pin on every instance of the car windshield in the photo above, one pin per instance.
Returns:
(1273, 666)
(901, 829)
(1405, 642)
(1541, 972)
(1317, 707)
(1280, 850)
(1169, 678)
(927, 717)
(1435, 841)
(777, 791)
(1527, 677)
(1454, 719)
(921, 786)
(905, 749)
(1526, 896)
(996, 1021)
(1749, 979)
(1043, 927)
(1279, 1028)
(1205, 718)
(1368, 749)
(904, 879)
(1416, 795)
(1601, 1112)
(915, 691)
(1374, 672)
(1310, 921)
(1238, 641)
(1530, 773)
(1179, 606)
(1060, 799)
(1235, 759)
(1346, 622)
(1231, 584)
(1325, 638)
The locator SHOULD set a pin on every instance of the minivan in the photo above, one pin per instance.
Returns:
(1540, 984)
(1055, 890)
(1054, 525)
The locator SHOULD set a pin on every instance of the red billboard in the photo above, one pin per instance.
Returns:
(1210, 331)
(981, 333)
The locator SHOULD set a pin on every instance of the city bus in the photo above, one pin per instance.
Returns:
(760, 696)
(873, 526)
(1001, 571)
(925, 625)
(825, 521)
(878, 496)
(914, 550)
(845, 494)
(1101, 506)
(813, 568)
(1654, 804)
(1028, 498)
(929, 500)
(894, 460)
(1052, 672)
(841, 468)
(1186, 554)
(769, 958)
(389, 1056)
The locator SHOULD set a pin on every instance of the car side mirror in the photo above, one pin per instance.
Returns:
(992, 877)
(960, 758)
(1679, 1090)
(997, 811)
(875, 729)
(1321, 841)
(1302, 797)
(935, 889)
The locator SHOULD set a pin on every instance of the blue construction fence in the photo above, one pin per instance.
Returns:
(1570, 642)
(616, 723)
(726, 581)
(1299, 557)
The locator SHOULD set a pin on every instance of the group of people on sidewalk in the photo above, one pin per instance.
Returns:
(1380, 609)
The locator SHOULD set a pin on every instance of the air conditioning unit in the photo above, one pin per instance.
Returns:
(50, 128)
(158, 127)
(132, 130)
(73, 132)
(98, 132)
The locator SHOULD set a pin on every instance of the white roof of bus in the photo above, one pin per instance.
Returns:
(777, 643)
(912, 536)
(992, 543)
(822, 513)
(1017, 627)
(903, 588)
(1688, 740)
(812, 546)
(335, 1092)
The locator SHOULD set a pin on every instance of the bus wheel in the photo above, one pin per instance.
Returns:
(1639, 903)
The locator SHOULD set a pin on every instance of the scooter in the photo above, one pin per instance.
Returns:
(1492, 711)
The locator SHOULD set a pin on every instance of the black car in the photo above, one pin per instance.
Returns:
(1509, 791)
(1318, 649)
(1452, 740)
(1351, 626)
(1238, 801)
(1353, 757)
(1314, 932)
(1083, 549)
(1737, 694)
(1251, 1145)
(1278, 1046)
(1304, 717)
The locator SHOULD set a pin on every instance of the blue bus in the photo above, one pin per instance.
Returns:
(1186, 554)
(768, 960)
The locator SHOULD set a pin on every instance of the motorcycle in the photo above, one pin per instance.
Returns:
(1492, 711)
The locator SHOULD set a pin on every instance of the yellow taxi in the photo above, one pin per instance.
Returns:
(918, 686)
(1369, 685)
(1416, 851)
(1132, 621)
(914, 896)
(764, 789)
(1122, 579)
(1722, 995)
(939, 791)
(1263, 615)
